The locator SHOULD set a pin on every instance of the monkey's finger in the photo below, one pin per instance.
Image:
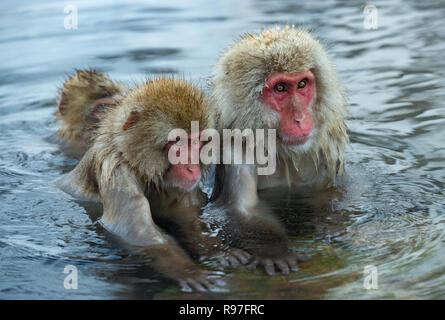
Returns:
(253, 265)
(293, 264)
(196, 285)
(217, 282)
(233, 261)
(246, 254)
(223, 261)
(282, 265)
(208, 284)
(269, 267)
(205, 280)
(242, 257)
(184, 286)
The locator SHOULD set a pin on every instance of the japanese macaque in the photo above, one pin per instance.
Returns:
(127, 167)
(83, 101)
(280, 79)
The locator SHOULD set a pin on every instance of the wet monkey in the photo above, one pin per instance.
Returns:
(126, 166)
(83, 101)
(281, 79)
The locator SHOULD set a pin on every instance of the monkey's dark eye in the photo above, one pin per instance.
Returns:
(281, 87)
(302, 84)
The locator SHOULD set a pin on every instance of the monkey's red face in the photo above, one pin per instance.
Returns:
(291, 95)
(184, 175)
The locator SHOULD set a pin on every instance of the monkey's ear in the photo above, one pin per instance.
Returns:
(131, 120)
(63, 102)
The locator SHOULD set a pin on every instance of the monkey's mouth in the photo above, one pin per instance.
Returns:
(296, 140)
(186, 184)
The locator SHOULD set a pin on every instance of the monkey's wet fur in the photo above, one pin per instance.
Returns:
(281, 78)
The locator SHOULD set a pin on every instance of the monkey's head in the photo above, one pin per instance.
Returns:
(83, 101)
(281, 79)
(142, 125)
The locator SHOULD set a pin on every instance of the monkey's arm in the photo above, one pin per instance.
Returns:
(251, 225)
(192, 231)
(127, 211)
(127, 214)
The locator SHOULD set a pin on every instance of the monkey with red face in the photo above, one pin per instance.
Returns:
(126, 166)
(279, 79)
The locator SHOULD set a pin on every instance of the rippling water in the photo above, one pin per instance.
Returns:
(388, 213)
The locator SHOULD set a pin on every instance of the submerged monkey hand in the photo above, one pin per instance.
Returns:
(274, 254)
(260, 234)
(170, 260)
(284, 264)
(232, 257)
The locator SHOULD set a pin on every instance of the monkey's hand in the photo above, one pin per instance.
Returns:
(229, 257)
(174, 263)
(285, 264)
(274, 255)
(262, 235)
(198, 241)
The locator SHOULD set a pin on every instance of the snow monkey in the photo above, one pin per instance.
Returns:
(126, 166)
(83, 102)
(281, 79)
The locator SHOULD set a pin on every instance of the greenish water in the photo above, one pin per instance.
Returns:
(388, 213)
